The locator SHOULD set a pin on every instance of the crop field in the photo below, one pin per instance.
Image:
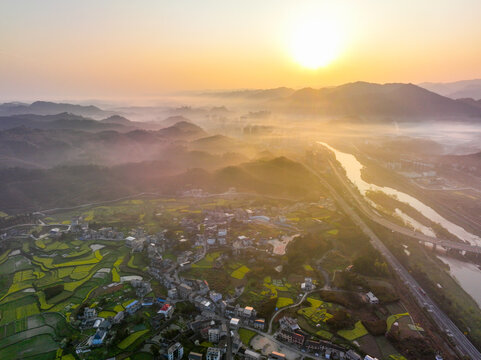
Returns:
(129, 340)
(208, 261)
(47, 263)
(71, 263)
(32, 337)
(324, 334)
(274, 286)
(353, 334)
(106, 314)
(317, 312)
(14, 263)
(284, 301)
(116, 269)
(35, 313)
(35, 347)
(393, 318)
(246, 335)
(4, 256)
(25, 311)
(240, 272)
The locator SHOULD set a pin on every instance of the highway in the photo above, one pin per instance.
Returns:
(362, 205)
(463, 345)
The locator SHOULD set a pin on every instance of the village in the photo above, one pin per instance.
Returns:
(214, 283)
(218, 318)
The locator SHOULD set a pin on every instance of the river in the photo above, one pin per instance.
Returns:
(353, 172)
(467, 275)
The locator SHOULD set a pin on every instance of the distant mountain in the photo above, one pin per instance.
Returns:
(117, 119)
(51, 108)
(183, 129)
(472, 102)
(58, 121)
(45, 148)
(74, 122)
(215, 142)
(172, 120)
(255, 94)
(371, 101)
(36, 189)
(457, 89)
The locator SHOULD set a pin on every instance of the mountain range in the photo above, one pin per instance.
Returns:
(457, 89)
(51, 108)
(365, 101)
(33, 147)
(356, 101)
(73, 122)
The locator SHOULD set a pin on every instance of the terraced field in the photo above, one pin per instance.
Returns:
(34, 337)
(32, 325)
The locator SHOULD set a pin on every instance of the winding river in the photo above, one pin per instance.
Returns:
(353, 172)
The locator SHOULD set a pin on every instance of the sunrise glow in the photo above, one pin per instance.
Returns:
(316, 43)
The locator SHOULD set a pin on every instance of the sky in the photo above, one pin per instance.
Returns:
(66, 49)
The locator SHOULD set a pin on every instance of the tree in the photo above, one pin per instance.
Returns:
(53, 291)
(155, 351)
(340, 320)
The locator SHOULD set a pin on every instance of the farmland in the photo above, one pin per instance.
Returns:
(246, 335)
(34, 318)
(240, 272)
(128, 341)
(352, 334)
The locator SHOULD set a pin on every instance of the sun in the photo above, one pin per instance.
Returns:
(316, 43)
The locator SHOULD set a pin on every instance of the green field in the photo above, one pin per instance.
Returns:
(33, 337)
(284, 301)
(246, 335)
(129, 340)
(393, 318)
(318, 311)
(353, 334)
(208, 261)
(240, 272)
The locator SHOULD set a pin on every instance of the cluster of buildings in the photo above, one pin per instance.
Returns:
(89, 319)
(290, 333)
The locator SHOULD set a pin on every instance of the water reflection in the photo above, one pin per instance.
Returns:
(467, 275)
(353, 171)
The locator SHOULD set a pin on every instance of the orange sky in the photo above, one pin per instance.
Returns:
(120, 48)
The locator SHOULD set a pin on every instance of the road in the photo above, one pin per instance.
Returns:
(269, 330)
(463, 345)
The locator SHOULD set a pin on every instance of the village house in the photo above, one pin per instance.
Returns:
(372, 299)
(213, 354)
(214, 335)
(133, 307)
(175, 351)
(166, 310)
(184, 291)
(291, 337)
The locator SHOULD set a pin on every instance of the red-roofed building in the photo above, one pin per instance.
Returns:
(167, 310)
